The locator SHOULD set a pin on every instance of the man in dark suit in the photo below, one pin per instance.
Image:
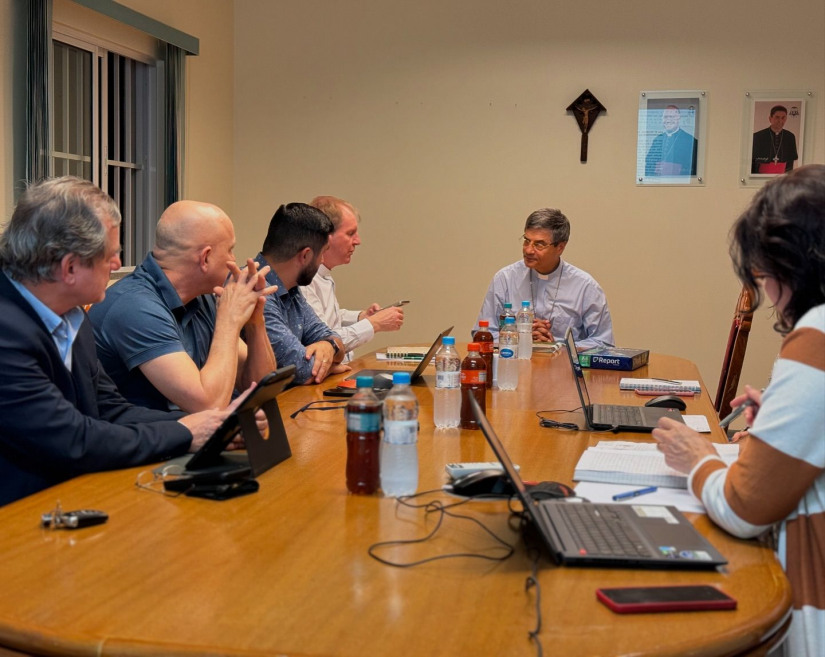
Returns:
(774, 148)
(61, 414)
(674, 151)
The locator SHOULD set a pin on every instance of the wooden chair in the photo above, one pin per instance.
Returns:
(734, 354)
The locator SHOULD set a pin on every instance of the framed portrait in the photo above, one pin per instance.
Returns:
(670, 146)
(775, 135)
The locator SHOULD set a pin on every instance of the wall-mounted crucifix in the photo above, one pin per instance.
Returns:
(585, 108)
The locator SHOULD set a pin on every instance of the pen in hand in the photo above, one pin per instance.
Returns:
(736, 413)
(634, 493)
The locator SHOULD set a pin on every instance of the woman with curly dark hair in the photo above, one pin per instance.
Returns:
(778, 482)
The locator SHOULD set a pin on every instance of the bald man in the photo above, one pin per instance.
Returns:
(186, 328)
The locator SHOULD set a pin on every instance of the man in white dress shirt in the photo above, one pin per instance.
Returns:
(356, 327)
(560, 294)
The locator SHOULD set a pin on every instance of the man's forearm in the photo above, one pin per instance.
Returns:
(219, 373)
(260, 359)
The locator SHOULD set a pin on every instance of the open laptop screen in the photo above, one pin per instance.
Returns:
(573, 353)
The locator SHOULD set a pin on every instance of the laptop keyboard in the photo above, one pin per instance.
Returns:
(618, 415)
(600, 531)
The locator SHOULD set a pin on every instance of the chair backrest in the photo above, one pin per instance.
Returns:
(734, 354)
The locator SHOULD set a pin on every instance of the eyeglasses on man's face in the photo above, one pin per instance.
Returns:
(538, 245)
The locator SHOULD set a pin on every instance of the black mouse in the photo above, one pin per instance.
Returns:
(667, 401)
(545, 490)
(482, 482)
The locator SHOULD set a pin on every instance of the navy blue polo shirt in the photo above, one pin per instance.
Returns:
(142, 318)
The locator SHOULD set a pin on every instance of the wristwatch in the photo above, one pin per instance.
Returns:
(335, 346)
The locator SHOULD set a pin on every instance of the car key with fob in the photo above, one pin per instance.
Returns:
(59, 519)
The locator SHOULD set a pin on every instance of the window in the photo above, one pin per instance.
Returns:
(103, 106)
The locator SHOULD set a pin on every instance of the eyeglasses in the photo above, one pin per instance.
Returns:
(311, 406)
(537, 245)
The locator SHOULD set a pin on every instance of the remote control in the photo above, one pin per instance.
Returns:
(456, 470)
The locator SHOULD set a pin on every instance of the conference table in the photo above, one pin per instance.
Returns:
(286, 571)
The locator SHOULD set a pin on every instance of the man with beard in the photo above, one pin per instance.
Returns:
(296, 241)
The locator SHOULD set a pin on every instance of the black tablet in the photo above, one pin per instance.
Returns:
(209, 455)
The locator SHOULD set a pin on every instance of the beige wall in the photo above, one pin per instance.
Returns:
(444, 122)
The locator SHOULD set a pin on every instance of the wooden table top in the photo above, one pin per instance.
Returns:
(286, 571)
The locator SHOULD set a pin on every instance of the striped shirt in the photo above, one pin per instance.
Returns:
(779, 478)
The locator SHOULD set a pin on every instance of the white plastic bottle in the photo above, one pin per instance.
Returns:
(447, 401)
(508, 343)
(399, 448)
(524, 322)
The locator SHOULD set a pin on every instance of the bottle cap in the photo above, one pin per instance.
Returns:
(508, 305)
(363, 382)
(448, 339)
(525, 304)
(401, 378)
(473, 346)
(483, 323)
(510, 320)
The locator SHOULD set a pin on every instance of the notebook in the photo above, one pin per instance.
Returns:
(609, 416)
(261, 453)
(616, 535)
(382, 379)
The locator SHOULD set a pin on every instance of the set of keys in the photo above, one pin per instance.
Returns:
(60, 519)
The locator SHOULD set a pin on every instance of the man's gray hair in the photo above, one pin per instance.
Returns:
(552, 220)
(52, 219)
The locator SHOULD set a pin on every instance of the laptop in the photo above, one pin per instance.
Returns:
(382, 379)
(211, 463)
(615, 535)
(613, 417)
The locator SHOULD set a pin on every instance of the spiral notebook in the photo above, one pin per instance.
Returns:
(662, 386)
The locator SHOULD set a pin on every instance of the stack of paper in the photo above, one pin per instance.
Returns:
(640, 464)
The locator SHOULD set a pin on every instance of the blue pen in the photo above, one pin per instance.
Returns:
(634, 493)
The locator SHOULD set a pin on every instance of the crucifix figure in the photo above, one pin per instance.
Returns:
(586, 109)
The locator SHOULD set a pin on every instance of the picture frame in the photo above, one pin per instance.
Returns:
(776, 134)
(671, 138)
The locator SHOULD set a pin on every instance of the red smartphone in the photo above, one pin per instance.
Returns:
(645, 599)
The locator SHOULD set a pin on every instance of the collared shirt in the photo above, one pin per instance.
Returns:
(568, 297)
(292, 325)
(320, 294)
(62, 328)
(143, 318)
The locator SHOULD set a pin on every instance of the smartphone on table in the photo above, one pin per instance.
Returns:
(646, 599)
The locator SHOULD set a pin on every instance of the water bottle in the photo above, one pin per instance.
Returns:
(363, 438)
(508, 341)
(485, 341)
(399, 449)
(473, 382)
(447, 402)
(524, 321)
(507, 312)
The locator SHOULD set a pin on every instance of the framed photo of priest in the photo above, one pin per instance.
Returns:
(670, 146)
(774, 136)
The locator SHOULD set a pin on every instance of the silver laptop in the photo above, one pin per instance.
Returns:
(616, 535)
(613, 417)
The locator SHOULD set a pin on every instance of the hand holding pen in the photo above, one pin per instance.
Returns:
(747, 403)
